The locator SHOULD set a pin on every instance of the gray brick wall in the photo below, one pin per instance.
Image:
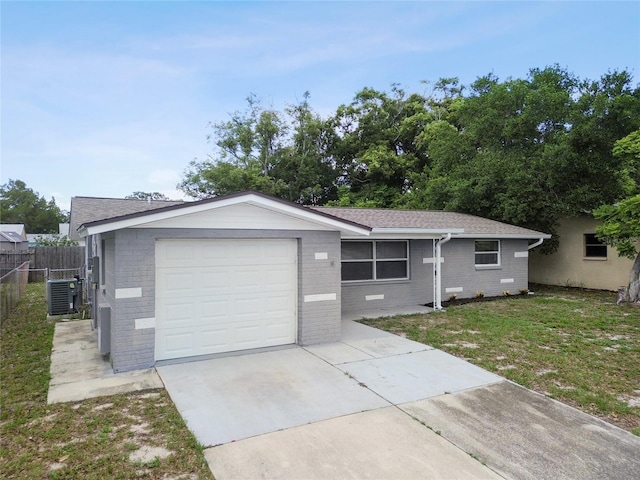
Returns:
(418, 290)
(459, 270)
(134, 267)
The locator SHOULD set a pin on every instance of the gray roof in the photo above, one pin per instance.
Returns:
(428, 219)
(11, 236)
(91, 209)
(12, 227)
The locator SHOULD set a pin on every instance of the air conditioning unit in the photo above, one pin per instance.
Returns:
(62, 296)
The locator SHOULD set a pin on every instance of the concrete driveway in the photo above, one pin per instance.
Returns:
(379, 406)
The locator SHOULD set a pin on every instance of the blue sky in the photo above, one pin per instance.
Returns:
(108, 98)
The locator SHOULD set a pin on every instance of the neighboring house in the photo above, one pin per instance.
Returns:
(11, 241)
(13, 237)
(581, 259)
(177, 280)
(14, 227)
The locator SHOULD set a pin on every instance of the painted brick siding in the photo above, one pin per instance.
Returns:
(318, 321)
(459, 271)
(418, 290)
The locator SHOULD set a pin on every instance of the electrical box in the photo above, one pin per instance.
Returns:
(62, 296)
(95, 271)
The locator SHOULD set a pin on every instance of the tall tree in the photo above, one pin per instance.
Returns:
(246, 148)
(19, 204)
(280, 153)
(307, 166)
(529, 151)
(376, 147)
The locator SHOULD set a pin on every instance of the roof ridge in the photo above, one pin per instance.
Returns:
(127, 199)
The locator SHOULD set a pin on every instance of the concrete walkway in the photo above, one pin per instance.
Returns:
(78, 371)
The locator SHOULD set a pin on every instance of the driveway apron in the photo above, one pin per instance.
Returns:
(231, 398)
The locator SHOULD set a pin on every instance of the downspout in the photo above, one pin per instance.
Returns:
(437, 271)
(536, 244)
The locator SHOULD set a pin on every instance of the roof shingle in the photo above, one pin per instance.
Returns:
(90, 209)
(436, 219)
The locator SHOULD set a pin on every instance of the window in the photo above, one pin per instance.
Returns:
(487, 253)
(375, 260)
(594, 248)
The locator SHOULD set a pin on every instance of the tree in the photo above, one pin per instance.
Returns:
(530, 151)
(376, 149)
(19, 204)
(621, 229)
(279, 153)
(147, 196)
(55, 240)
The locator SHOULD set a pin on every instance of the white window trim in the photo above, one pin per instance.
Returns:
(498, 252)
(374, 260)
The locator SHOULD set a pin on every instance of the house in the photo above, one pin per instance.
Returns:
(171, 281)
(13, 237)
(581, 259)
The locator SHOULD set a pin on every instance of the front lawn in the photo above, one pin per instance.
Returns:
(573, 345)
(138, 435)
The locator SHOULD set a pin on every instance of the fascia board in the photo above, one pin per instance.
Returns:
(506, 236)
(153, 216)
(407, 233)
(411, 231)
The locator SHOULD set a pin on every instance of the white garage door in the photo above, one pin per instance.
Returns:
(216, 296)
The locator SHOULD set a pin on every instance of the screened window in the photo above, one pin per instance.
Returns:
(487, 253)
(375, 260)
(594, 248)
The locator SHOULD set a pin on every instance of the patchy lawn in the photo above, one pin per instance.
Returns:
(126, 436)
(573, 345)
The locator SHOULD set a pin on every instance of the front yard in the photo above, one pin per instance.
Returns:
(118, 437)
(573, 345)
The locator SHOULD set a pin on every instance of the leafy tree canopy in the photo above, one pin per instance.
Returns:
(19, 204)
(55, 240)
(281, 153)
(526, 151)
(147, 196)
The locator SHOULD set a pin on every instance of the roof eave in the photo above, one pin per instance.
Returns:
(252, 198)
(506, 236)
(410, 233)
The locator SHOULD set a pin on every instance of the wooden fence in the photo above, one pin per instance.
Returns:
(62, 262)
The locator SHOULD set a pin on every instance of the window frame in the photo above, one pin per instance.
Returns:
(374, 260)
(595, 243)
(497, 253)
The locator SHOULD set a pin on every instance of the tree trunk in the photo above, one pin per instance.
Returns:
(632, 293)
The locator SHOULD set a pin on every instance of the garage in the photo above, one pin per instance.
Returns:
(224, 295)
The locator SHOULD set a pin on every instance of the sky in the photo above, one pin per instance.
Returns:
(107, 98)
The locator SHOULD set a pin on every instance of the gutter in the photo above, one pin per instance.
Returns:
(536, 244)
(437, 273)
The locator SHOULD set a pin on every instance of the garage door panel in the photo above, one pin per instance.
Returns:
(214, 280)
(178, 344)
(224, 295)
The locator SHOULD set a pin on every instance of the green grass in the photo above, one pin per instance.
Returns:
(573, 345)
(93, 439)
